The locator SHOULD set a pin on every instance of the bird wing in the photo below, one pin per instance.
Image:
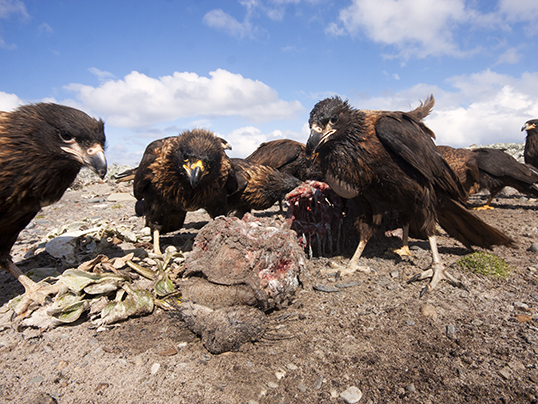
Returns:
(143, 174)
(500, 164)
(276, 153)
(411, 141)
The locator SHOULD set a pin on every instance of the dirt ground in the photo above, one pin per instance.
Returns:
(369, 331)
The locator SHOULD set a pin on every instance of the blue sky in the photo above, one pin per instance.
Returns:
(252, 70)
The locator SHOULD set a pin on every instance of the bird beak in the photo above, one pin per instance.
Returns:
(317, 139)
(93, 157)
(195, 172)
(528, 127)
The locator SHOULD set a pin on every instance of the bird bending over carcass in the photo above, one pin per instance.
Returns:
(387, 161)
(180, 174)
(42, 148)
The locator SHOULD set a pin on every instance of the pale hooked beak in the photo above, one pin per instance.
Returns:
(528, 127)
(93, 157)
(317, 139)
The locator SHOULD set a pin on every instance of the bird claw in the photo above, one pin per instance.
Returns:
(437, 273)
(403, 251)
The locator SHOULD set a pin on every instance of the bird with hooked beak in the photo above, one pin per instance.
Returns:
(180, 174)
(42, 148)
(387, 161)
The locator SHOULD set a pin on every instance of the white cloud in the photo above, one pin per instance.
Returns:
(139, 100)
(222, 21)
(521, 10)
(415, 27)
(101, 75)
(9, 102)
(511, 56)
(10, 7)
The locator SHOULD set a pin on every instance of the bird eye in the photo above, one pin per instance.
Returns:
(66, 136)
(334, 119)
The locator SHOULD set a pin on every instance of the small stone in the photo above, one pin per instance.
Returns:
(272, 385)
(410, 323)
(477, 322)
(120, 197)
(520, 305)
(155, 368)
(410, 388)
(280, 373)
(351, 395)
(394, 274)
(506, 373)
(318, 383)
(534, 247)
(450, 331)
(302, 387)
(291, 366)
(36, 380)
(428, 310)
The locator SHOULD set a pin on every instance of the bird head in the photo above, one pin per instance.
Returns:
(201, 154)
(72, 133)
(529, 125)
(327, 118)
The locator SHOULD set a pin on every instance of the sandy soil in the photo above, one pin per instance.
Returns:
(372, 332)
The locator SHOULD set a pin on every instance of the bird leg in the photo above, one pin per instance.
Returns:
(353, 264)
(404, 251)
(486, 205)
(436, 272)
(34, 292)
(156, 243)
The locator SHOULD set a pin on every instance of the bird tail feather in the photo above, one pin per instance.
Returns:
(467, 228)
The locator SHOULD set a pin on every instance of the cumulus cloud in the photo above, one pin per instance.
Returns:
(140, 100)
(520, 10)
(9, 102)
(414, 27)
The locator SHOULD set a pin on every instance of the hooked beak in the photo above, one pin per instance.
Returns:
(317, 138)
(93, 157)
(195, 172)
(528, 127)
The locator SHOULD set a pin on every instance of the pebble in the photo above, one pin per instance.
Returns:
(36, 380)
(428, 310)
(534, 247)
(450, 331)
(394, 274)
(121, 197)
(318, 383)
(520, 305)
(410, 388)
(272, 385)
(291, 366)
(351, 395)
(155, 368)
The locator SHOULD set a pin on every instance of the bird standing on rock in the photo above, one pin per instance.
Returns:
(387, 161)
(42, 148)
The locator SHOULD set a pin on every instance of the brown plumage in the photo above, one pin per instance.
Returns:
(498, 170)
(180, 174)
(259, 186)
(42, 148)
(388, 161)
(287, 156)
(464, 164)
(531, 143)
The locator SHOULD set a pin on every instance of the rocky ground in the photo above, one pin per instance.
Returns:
(366, 335)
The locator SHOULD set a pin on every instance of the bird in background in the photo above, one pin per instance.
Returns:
(180, 174)
(388, 161)
(530, 153)
(42, 148)
(258, 187)
(287, 156)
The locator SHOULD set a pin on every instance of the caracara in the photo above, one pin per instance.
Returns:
(259, 187)
(388, 161)
(287, 156)
(531, 143)
(180, 174)
(42, 148)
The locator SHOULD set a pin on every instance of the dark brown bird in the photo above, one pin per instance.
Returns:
(42, 148)
(181, 174)
(531, 143)
(258, 186)
(464, 164)
(498, 169)
(129, 175)
(388, 161)
(287, 156)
